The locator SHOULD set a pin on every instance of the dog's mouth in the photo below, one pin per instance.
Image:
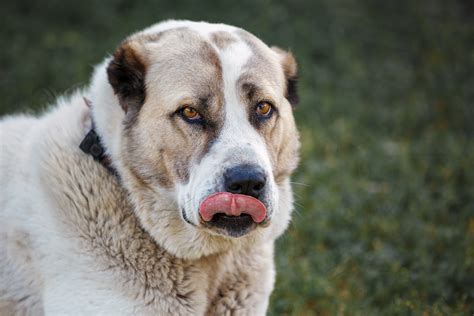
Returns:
(234, 214)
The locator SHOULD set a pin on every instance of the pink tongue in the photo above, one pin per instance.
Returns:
(232, 205)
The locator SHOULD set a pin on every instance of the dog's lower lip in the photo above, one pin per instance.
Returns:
(234, 226)
(225, 216)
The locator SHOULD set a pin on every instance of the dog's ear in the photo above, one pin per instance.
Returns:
(126, 73)
(290, 69)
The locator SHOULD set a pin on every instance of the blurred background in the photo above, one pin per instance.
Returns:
(384, 223)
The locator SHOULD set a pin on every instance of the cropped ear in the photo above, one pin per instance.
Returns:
(126, 73)
(290, 69)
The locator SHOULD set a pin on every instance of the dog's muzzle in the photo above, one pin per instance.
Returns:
(239, 208)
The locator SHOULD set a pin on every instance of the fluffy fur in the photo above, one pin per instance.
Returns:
(77, 239)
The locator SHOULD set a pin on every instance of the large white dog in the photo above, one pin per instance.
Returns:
(158, 189)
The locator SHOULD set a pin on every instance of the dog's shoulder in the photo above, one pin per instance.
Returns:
(27, 142)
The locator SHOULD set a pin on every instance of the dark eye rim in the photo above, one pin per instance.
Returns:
(199, 120)
(264, 117)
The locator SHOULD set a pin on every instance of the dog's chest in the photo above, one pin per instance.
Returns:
(112, 264)
(130, 276)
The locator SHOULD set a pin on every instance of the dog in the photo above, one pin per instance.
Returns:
(158, 189)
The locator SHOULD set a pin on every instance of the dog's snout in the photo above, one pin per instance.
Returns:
(245, 179)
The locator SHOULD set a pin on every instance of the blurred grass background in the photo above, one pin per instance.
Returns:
(385, 191)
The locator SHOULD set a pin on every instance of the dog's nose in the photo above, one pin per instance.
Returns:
(245, 179)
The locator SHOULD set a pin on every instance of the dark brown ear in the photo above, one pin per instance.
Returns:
(290, 69)
(126, 74)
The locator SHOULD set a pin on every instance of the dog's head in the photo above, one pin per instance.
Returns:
(197, 119)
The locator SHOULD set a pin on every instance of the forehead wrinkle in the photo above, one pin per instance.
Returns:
(253, 91)
(249, 84)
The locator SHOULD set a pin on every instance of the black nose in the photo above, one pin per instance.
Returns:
(245, 179)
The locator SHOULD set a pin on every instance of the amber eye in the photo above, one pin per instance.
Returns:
(190, 113)
(264, 109)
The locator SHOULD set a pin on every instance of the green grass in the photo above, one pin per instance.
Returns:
(385, 192)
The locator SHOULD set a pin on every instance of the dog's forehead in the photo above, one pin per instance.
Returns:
(195, 53)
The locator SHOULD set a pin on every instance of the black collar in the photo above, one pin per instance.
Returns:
(92, 145)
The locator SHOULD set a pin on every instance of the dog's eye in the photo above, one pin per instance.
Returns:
(190, 114)
(264, 109)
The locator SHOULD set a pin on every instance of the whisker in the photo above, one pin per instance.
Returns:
(300, 183)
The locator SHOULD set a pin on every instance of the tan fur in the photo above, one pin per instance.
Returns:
(290, 67)
(222, 39)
